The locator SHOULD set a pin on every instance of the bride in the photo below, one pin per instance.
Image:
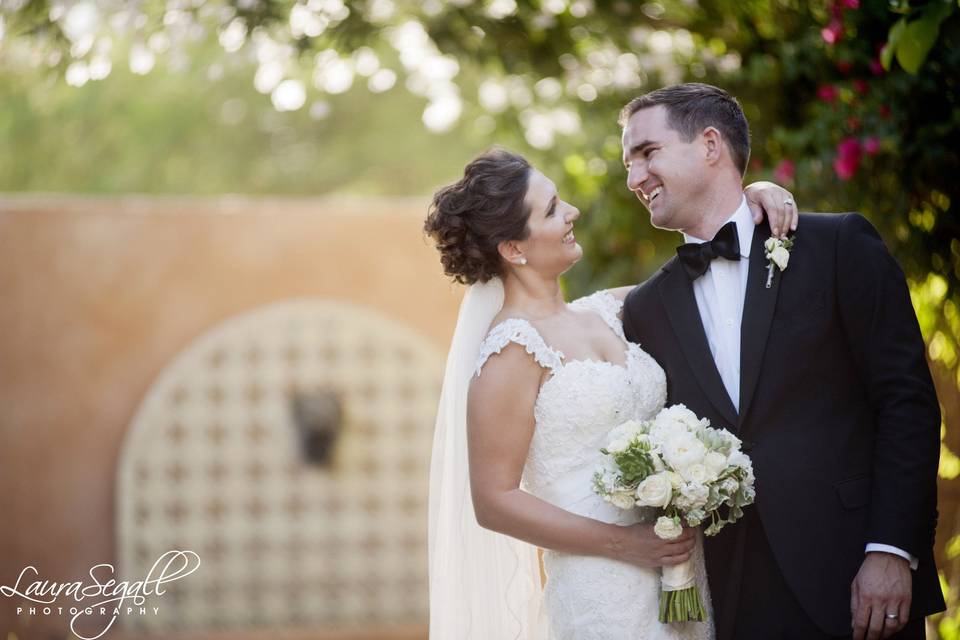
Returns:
(533, 385)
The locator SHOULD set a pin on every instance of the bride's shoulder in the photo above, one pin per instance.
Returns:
(607, 303)
(519, 333)
(620, 293)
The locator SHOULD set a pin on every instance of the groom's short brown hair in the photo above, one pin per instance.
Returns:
(692, 107)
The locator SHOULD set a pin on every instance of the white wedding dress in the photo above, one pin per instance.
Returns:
(592, 598)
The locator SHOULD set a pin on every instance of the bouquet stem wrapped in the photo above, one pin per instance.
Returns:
(689, 471)
(679, 597)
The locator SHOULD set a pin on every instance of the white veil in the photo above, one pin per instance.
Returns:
(483, 585)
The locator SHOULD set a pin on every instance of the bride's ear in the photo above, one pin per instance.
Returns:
(511, 252)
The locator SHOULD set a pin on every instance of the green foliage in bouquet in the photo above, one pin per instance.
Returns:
(634, 463)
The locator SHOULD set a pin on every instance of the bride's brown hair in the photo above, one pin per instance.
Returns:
(468, 219)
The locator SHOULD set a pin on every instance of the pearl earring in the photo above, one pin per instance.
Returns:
(523, 260)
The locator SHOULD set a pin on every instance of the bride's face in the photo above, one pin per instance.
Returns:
(551, 247)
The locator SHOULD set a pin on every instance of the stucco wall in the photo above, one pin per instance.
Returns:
(97, 294)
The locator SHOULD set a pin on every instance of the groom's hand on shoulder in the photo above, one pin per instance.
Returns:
(882, 588)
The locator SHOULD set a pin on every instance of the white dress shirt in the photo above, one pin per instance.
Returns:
(720, 293)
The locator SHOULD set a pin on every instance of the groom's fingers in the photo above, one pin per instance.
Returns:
(875, 630)
(861, 619)
(854, 602)
(895, 626)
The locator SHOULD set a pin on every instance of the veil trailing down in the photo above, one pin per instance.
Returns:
(483, 585)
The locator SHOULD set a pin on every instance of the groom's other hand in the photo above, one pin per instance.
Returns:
(882, 586)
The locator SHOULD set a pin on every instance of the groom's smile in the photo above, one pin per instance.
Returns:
(655, 155)
(649, 197)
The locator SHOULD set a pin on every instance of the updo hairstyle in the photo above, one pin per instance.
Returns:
(468, 219)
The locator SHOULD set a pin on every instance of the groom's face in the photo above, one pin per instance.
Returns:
(663, 170)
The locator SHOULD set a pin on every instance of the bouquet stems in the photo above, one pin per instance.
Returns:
(679, 597)
(682, 606)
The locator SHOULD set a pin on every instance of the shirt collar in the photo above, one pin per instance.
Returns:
(745, 226)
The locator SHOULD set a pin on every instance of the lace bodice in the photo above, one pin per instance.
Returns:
(590, 597)
(582, 400)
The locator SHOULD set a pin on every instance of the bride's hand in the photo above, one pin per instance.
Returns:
(776, 202)
(642, 547)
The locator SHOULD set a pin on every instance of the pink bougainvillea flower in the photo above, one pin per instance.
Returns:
(827, 92)
(785, 171)
(849, 154)
(851, 4)
(833, 32)
(871, 146)
(876, 67)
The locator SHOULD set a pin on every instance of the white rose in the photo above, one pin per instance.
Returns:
(628, 429)
(692, 496)
(683, 450)
(740, 459)
(697, 474)
(715, 462)
(679, 413)
(622, 499)
(667, 528)
(619, 445)
(655, 491)
(780, 257)
(733, 440)
(675, 479)
(671, 421)
(770, 243)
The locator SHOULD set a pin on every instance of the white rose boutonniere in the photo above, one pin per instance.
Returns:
(778, 253)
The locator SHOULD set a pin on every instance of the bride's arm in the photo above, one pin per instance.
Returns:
(500, 426)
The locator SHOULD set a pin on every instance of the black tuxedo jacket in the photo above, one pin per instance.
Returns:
(837, 411)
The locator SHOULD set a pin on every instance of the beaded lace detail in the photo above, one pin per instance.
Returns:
(590, 598)
(522, 332)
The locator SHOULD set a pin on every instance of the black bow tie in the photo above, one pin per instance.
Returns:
(696, 256)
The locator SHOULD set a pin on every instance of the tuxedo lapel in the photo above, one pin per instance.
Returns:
(676, 292)
(758, 306)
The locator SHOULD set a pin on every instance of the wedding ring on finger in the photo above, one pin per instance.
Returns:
(892, 616)
(788, 201)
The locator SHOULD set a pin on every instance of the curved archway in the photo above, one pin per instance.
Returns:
(213, 462)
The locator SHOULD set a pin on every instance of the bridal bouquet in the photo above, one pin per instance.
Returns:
(695, 474)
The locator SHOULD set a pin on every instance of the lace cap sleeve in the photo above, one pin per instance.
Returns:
(604, 304)
(524, 334)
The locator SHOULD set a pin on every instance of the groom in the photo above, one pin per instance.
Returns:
(816, 363)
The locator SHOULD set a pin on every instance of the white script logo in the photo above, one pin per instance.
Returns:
(171, 566)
